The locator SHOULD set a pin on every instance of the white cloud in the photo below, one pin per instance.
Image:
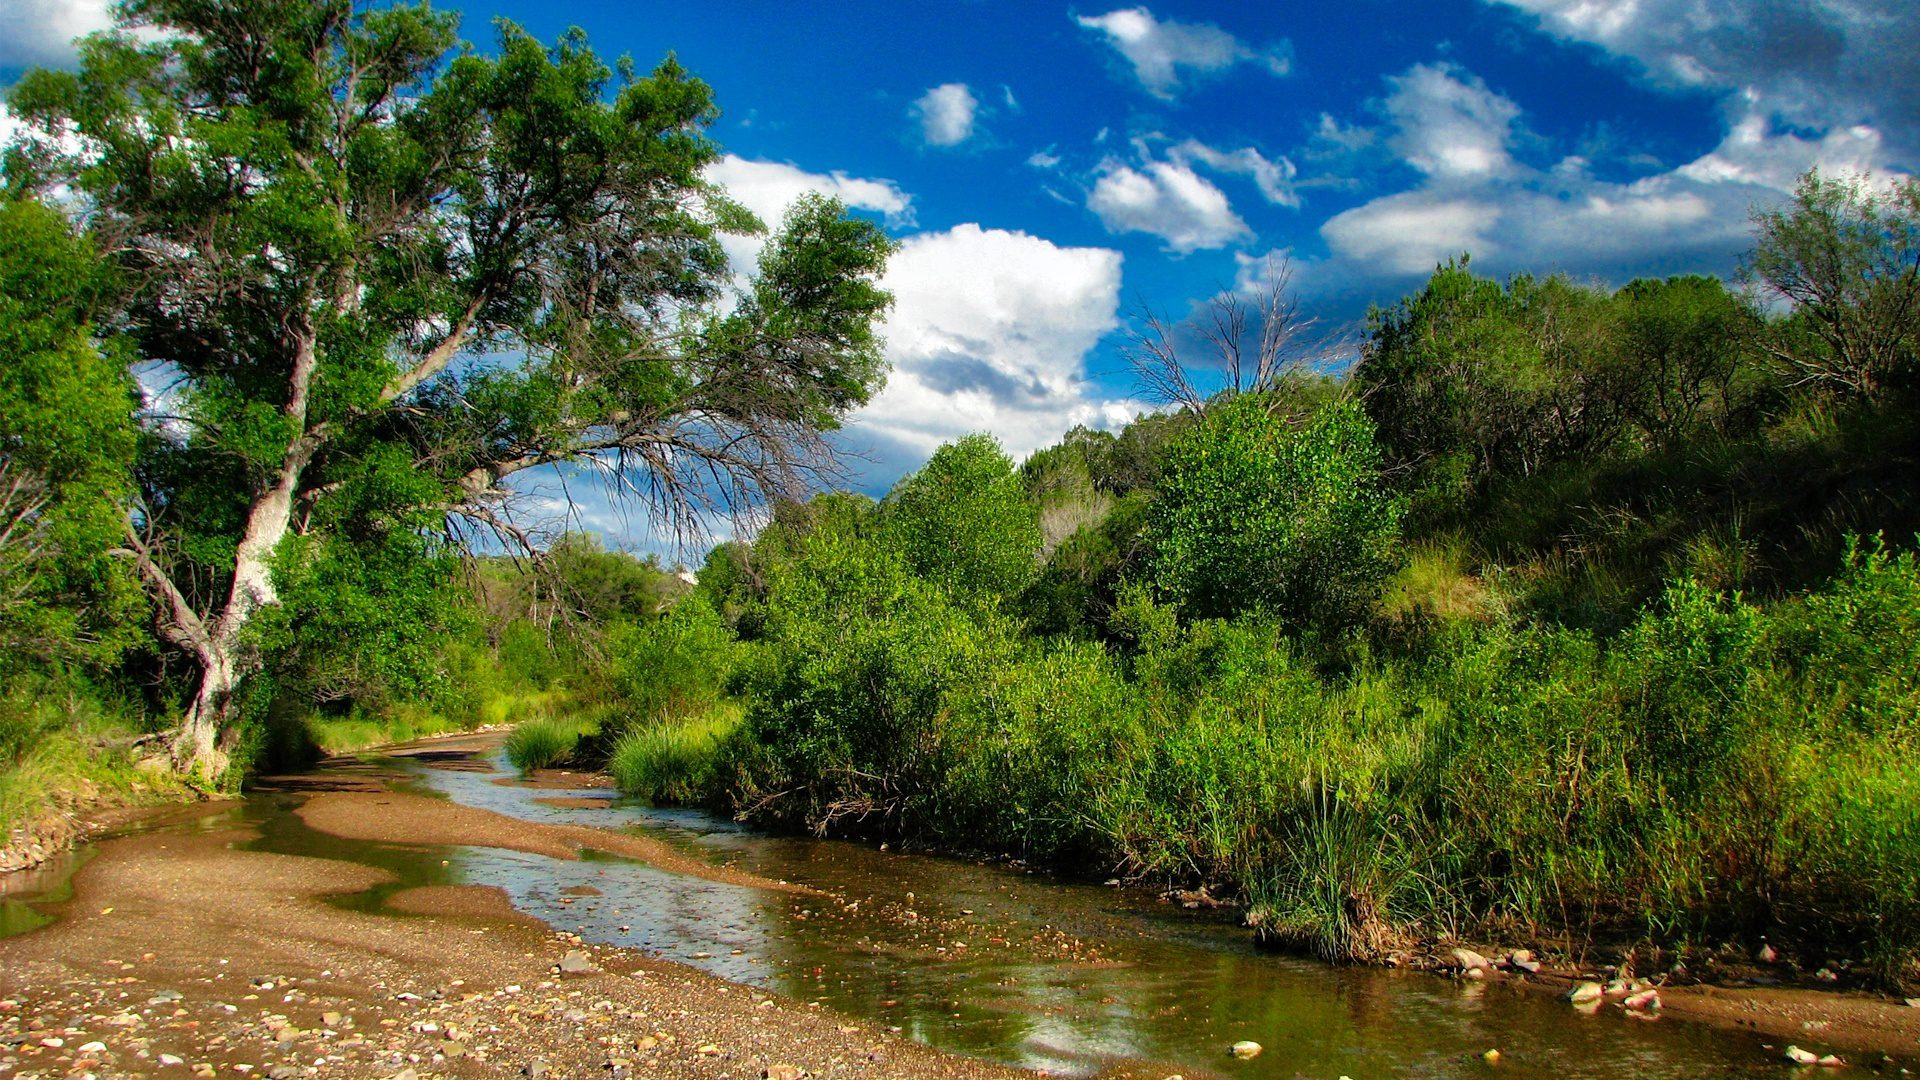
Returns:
(1477, 197)
(41, 32)
(768, 188)
(1160, 52)
(1168, 198)
(1044, 159)
(946, 114)
(1273, 177)
(1165, 199)
(1449, 124)
(1406, 234)
(1820, 64)
(990, 331)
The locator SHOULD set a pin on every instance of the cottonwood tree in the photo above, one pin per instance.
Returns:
(377, 275)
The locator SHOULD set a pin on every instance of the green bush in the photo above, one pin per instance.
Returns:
(542, 743)
(674, 762)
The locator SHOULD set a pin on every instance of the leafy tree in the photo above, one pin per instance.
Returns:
(1688, 347)
(67, 439)
(1469, 381)
(963, 521)
(1260, 513)
(352, 246)
(1846, 254)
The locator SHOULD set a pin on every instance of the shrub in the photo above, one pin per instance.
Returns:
(541, 743)
(674, 762)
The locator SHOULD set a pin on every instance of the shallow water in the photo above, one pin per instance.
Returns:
(1087, 975)
(1054, 975)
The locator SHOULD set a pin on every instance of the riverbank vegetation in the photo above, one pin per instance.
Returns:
(1570, 613)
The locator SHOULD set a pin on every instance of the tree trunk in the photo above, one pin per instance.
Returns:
(196, 745)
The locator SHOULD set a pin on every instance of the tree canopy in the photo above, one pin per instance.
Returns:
(380, 274)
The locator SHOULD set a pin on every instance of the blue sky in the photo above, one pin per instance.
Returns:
(1050, 168)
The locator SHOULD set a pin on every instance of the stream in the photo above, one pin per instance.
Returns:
(986, 960)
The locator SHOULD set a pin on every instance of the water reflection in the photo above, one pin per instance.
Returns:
(1046, 974)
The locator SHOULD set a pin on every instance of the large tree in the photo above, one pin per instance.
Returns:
(376, 275)
(1845, 253)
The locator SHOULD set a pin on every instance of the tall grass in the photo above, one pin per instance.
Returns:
(543, 742)
(674, 762)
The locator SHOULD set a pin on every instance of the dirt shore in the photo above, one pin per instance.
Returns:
(180, 955)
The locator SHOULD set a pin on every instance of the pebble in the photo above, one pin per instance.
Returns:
(1245, 1049)
(1801, 1057)
(1645, 999)
(781, 1072)
(1491, 1057)
(1584, 992)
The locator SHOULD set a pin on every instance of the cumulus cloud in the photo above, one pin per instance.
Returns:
(1162, 53)
(946, 114)
(41, 32)
(1818, 64)
(1449, 124)
(990, 331)
(1166, 199)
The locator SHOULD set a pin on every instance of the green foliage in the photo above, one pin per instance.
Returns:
(963, 522)
(1256, 513)
(674, 762)
(66, 452)
(1843, 253)
(331, 248)
(673, 665)
(542, 742)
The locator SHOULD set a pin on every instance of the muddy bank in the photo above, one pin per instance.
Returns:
(181, 953)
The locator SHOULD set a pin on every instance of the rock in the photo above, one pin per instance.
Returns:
(1831, 1061)
(94, 1047)
(1584, 992)
(1645, 999)
(170, 1060)
(1765, 954)
(782, 1072)
(1826, 974)
(1913, 1003)
(1491, 1057)
(707, 1050)
(1618, 988)
(536, 1069)
(284, 1072)
(1468, 960)
(1802, 1057)
(577, 962)
(1245, 1049)
(331, 1019)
